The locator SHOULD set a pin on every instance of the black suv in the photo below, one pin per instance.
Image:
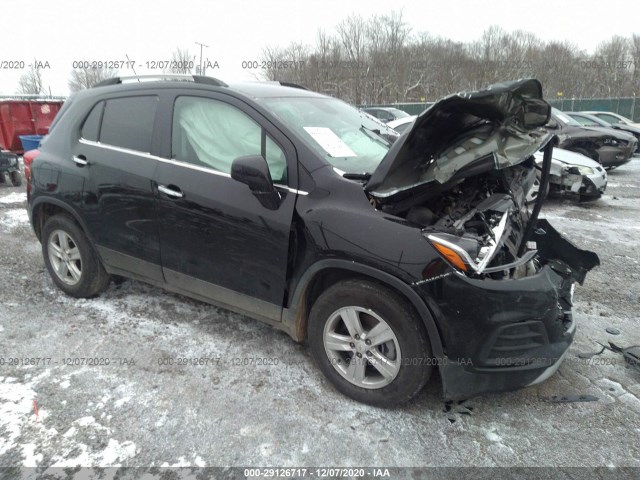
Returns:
(288, 206)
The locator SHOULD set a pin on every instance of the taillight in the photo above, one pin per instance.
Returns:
(28, 159)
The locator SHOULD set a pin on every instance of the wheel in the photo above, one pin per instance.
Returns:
(370, 343)
(534, 192)
(71, 260)
(16, 178)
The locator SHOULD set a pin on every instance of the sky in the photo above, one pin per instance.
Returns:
(58, 33)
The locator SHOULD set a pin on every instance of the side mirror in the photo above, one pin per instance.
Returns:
(253, 171)
(553, 124)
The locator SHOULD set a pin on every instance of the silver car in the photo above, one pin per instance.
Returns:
(572, 174)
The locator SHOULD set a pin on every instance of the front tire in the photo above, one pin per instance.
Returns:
(370, 343)
(70, 259)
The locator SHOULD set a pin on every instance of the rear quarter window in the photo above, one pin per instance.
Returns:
(91, 126)
(128, 122)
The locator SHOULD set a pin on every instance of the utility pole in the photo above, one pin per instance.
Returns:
(200, 72)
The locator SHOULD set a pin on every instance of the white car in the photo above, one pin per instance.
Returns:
(402, 124)
(572, 174)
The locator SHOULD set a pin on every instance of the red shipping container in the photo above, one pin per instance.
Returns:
(25, 117)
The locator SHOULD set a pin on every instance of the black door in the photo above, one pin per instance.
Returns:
(217, 240)
(119, 198)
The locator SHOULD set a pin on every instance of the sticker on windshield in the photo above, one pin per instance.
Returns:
(330, 142)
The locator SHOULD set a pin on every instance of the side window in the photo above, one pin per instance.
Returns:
(385, 116)
(609, 118)
(213, 133)
(128, 122)
(91, 127)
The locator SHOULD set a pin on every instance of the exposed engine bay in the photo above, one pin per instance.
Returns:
(481, 218)
(462, 174)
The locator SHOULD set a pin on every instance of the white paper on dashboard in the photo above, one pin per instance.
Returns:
(330, 142)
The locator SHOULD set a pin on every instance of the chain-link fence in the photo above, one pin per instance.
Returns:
(628, 107)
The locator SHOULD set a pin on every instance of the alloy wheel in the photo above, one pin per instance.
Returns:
(362, 347)
(64, 256)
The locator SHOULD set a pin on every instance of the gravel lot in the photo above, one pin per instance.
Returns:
(137, 412)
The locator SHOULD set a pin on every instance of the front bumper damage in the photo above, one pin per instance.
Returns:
(517, 331)
(610, 156)
(585, 187)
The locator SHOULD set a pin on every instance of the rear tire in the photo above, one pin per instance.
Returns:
(70, 259)
(370, 343)
(16, 178)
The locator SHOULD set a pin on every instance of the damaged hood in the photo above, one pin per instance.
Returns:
(499, 127)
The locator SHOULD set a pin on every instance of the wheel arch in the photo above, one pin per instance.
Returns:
(327, 272)
(45, 207)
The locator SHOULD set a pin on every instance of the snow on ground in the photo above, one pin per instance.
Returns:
(14, 218)
(14, 197)
(143, 408)
(18, 419)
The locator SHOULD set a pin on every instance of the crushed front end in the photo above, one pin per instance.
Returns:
(501, 286)
(511, 328)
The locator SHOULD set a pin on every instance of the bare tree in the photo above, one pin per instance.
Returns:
(612, 57)
(182, 62)
(634, 51)
(351, 32)
(379, 60)
(30, 82)
(82, 78)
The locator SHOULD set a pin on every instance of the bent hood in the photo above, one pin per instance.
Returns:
(500, 125)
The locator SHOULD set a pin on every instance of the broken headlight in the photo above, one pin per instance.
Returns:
(575, 169)
(466, 254)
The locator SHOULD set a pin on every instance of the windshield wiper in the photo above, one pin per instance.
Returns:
(377, 135)
(357, 176)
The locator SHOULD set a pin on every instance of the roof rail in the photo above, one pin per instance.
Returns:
(169, 76)
(293, 85)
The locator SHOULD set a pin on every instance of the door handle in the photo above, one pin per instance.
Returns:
(170, 192)
(80, 160)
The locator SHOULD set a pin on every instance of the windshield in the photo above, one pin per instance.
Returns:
(398, 113)
(613, 119)
(345, 137)
(588, 121)
(564, 118)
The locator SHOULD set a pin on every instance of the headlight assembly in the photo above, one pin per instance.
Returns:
(585, 170)
(451, 249)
